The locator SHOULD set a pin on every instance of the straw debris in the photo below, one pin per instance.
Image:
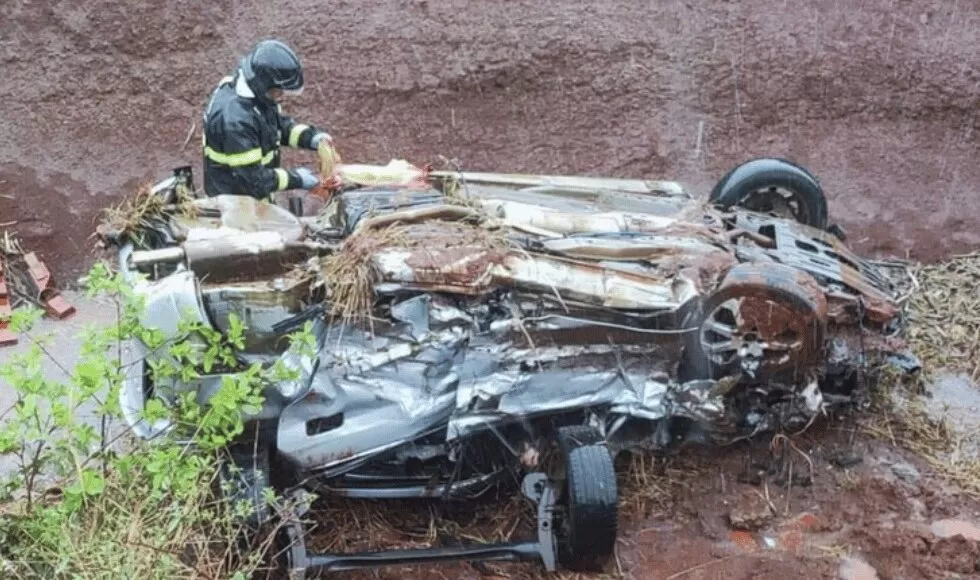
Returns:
(15, 272)
(944, 316)
(944, 331)
(143, 211)
(350, 276)
(349, 273)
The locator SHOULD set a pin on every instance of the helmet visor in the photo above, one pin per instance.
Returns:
(289, 81)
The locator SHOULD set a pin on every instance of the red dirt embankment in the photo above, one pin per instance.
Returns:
(878, 98)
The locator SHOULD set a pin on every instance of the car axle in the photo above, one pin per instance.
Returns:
(536, 486)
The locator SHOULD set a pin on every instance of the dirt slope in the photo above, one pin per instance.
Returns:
(879, 98)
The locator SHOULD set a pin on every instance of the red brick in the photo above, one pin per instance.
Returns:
(7, 338)
(38, 271)
(57, 307)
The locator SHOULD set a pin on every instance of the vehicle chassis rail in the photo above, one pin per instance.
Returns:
(536, 487)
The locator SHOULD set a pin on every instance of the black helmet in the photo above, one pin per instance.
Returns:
(272, 65)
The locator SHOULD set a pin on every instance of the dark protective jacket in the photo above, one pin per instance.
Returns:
(242, 137)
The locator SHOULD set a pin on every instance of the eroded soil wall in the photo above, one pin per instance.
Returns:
(879, 98)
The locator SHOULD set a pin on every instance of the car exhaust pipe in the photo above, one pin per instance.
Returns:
(143, 258)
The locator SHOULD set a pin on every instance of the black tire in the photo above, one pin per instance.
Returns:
(590, 498)
(794, 291)
(735, 188)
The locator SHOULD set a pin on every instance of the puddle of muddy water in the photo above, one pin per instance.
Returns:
(955, 398)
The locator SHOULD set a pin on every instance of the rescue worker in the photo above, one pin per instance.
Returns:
(244, 127)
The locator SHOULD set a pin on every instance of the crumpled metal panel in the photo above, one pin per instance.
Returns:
(170, 300)
(522, 216)
(472, 269)
(381, 391)
(433, 369)
(640, 247)
(348, 209)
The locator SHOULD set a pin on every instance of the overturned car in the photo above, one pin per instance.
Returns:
(477, 329)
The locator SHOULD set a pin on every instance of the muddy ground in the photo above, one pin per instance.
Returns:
(878, 98)
(857, 508)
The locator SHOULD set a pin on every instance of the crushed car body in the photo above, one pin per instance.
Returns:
(463, 317)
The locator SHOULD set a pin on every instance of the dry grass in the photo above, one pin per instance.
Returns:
(905, 422)
(123, 533)
(944, 316)
(140, 211)
(455, 192)
(328, 159)
(646, 485)
(944, 331)
(14, 271)
(350, 275)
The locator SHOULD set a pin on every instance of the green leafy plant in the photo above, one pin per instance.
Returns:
(93, 501)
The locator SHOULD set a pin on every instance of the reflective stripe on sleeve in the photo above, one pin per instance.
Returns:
(267, 159)
(295, 132)
(282, 178)
(234, 159)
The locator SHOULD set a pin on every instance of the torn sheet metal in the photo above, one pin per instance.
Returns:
(474, 270)
(512, 214)
(260, 306)
(365, 382)
(630, 248)
(457, 377)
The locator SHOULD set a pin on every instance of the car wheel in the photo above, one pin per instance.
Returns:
(764, 319)
(774, 186)
(589, 509)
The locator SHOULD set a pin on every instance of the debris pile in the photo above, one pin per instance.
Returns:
(142, 218)
(25, 279)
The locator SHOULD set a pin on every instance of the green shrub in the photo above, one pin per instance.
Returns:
(83, 503)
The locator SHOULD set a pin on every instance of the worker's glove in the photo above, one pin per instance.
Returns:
(321, 136)
(309, 179)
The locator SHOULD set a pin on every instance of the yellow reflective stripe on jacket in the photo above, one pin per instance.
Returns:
(234, 159)
(282, 179)
(240, 159)
(295, 132)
